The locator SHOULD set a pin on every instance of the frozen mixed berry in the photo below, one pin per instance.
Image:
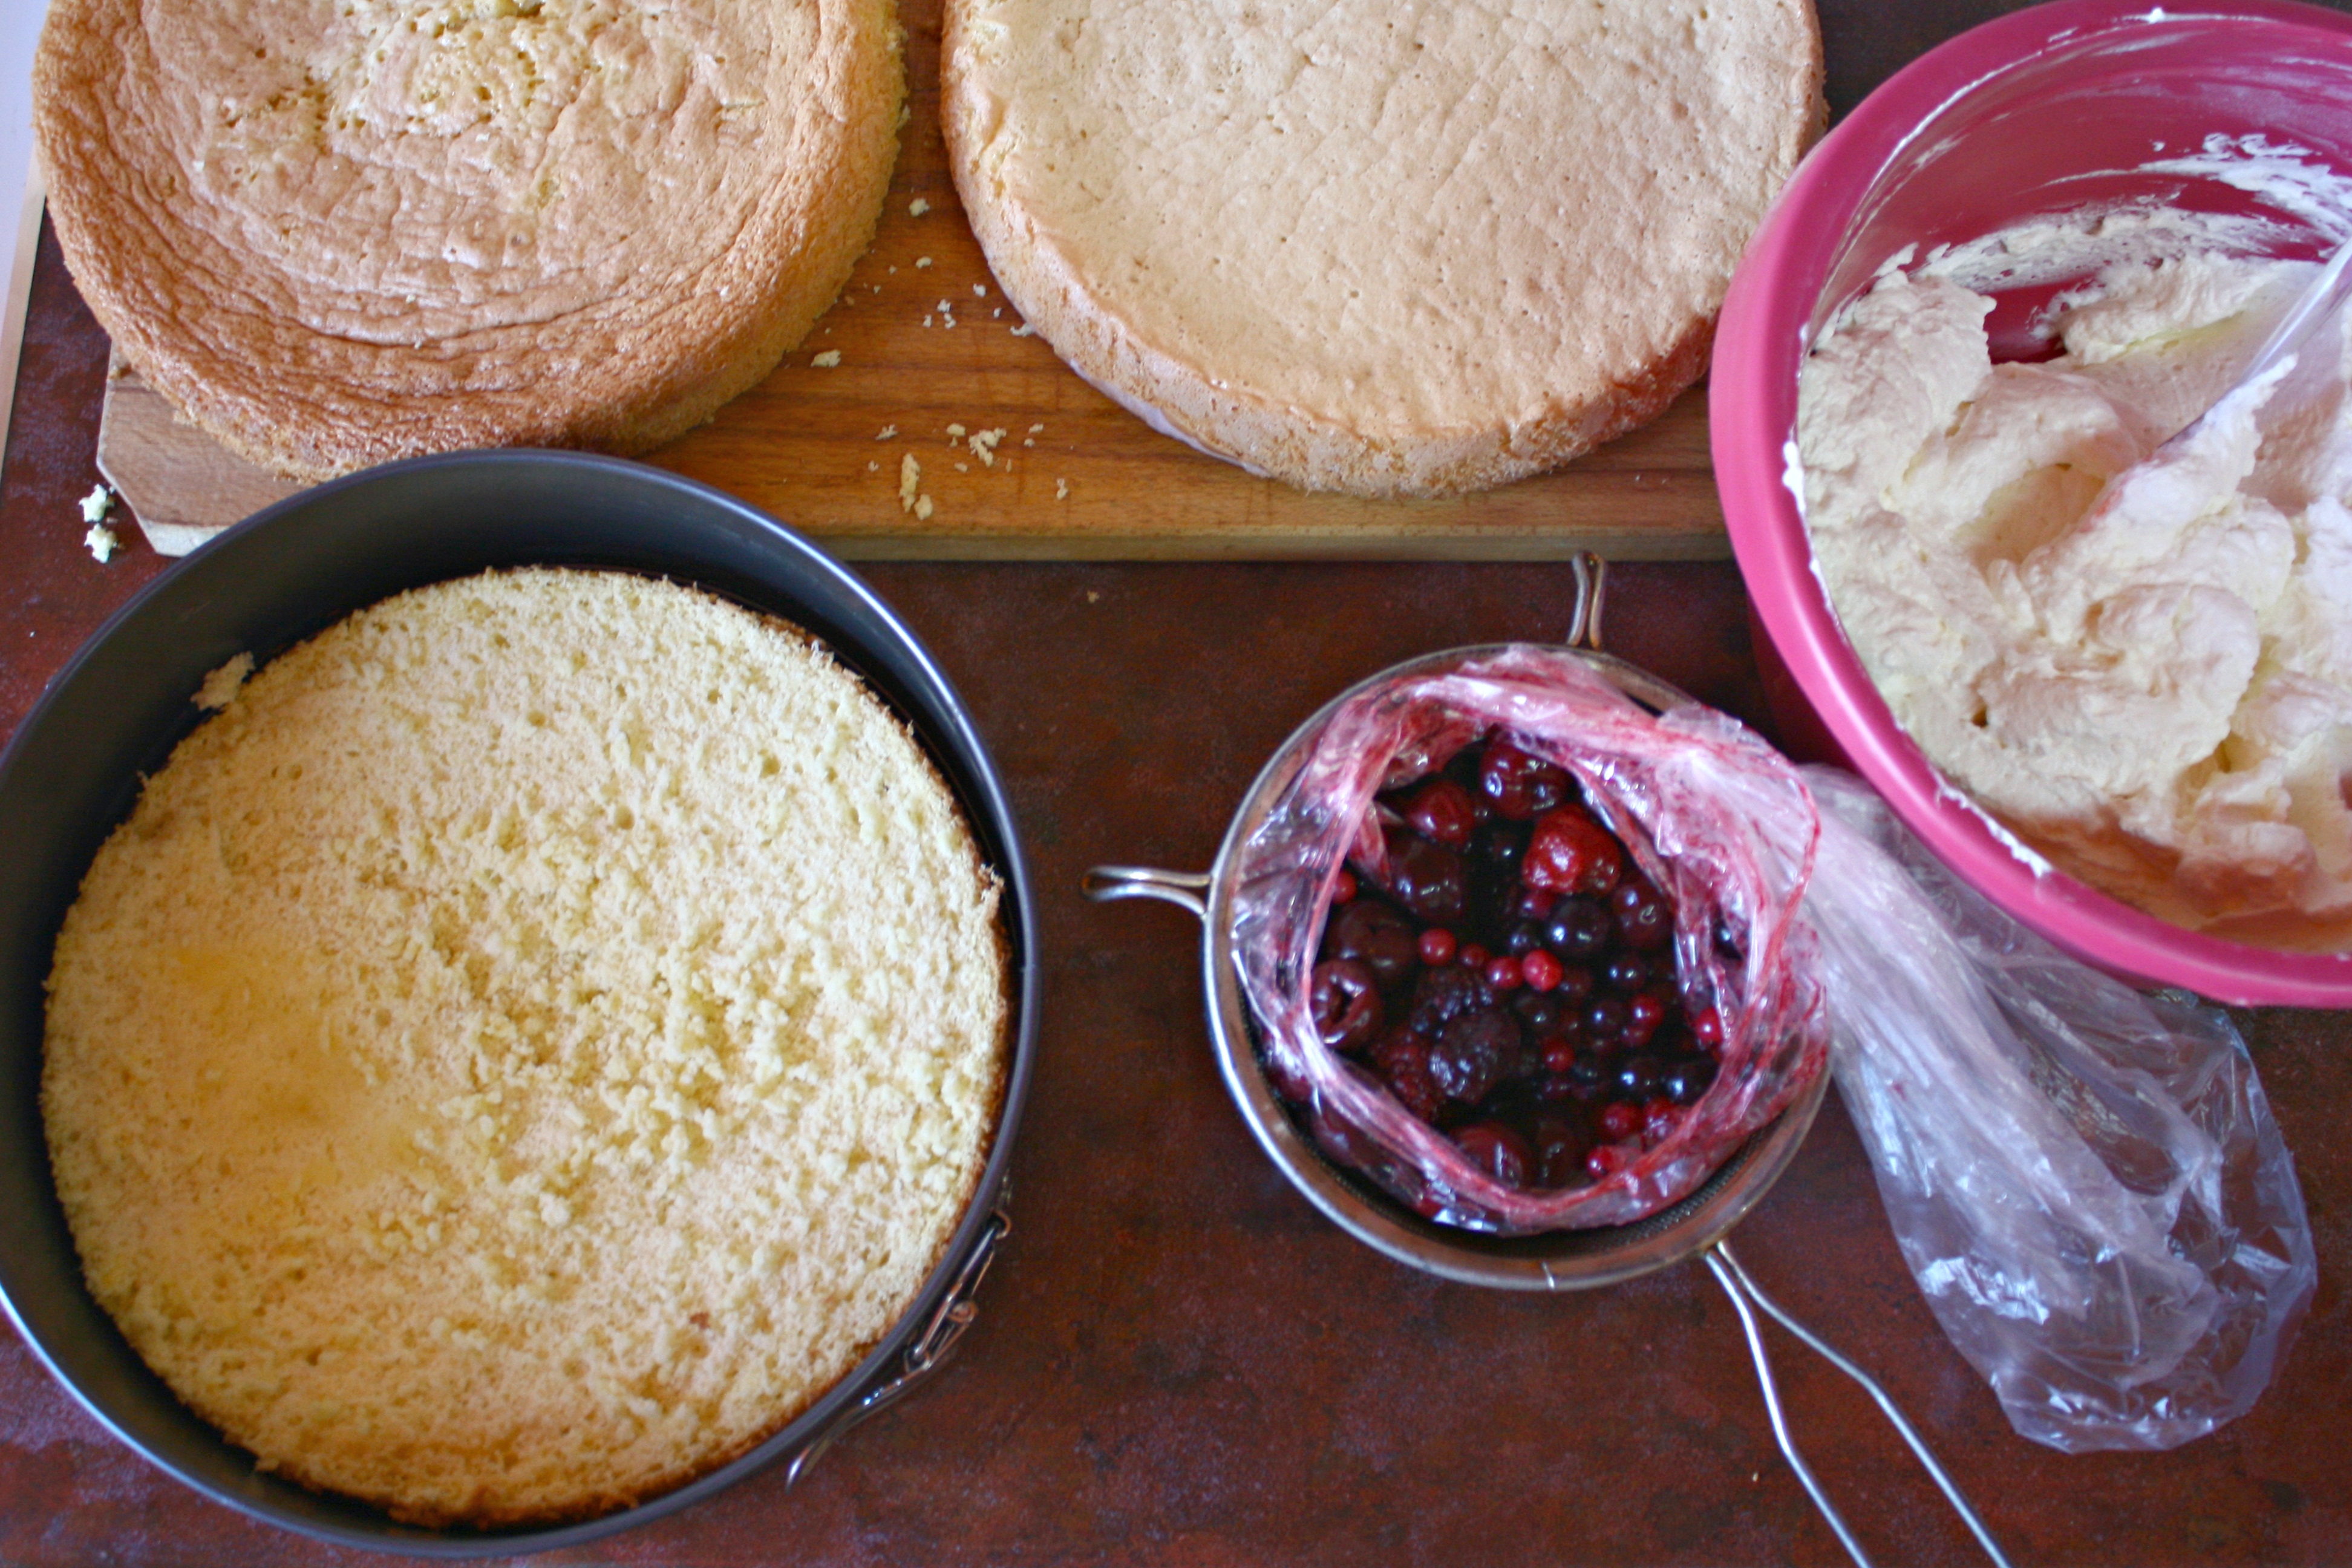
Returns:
(1645, 916)
(1511, 977)
(1571, 853)
(1520, 785)
(1440, 811)
(1497, 1150)
(1427, 879)
(1579, 929)
(1346, 1001)
(1468, 1060)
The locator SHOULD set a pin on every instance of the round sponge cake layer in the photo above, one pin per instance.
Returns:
(527, 1047)
(1394, 248)
(338, 233)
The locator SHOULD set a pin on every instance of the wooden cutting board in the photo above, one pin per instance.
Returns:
(929, 353)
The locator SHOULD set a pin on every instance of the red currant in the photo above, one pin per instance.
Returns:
(1436, 946)
(1541, 970)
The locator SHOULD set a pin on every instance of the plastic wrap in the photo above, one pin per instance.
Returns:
(1712, 816)
(2087, 1181)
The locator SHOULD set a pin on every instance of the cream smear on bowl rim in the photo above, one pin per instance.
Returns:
(2151, 688)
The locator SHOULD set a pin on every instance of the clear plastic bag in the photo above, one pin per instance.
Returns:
(2087, 1181)
(1713, 816)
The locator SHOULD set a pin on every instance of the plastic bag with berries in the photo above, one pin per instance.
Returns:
(2086, 1183)
(1560, 982)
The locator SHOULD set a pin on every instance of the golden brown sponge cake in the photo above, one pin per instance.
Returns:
(1394, 248)
(335, 233)
(527, 1047)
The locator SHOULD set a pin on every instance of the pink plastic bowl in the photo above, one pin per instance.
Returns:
(2027, 114)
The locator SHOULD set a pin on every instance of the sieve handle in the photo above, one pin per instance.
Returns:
(1741, 1289)
(1188, 889)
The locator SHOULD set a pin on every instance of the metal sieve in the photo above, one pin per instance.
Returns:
(1695, 1227)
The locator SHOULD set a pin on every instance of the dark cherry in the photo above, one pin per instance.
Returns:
(1427, 879)
(1686, 1078)
(1645, 916)
(1588, 1076)
(1624, 972)
(1579, 929)
(1494, 1148)
(1347, 1003)
(1645, 1012)
(1469, 1057)
(1560, 1149)
(1620, 1120)
(1442, 812)
(1504, 974)
(1538, 1012)
(1501, 844)
(1604, 1017)
(1374, 935)
(1442, 995)
(1523, 939)
(1532, 904)
(1559, 1053)
(1639, 1076)
(1343, 887)
(1520, 785)
(1575, 983)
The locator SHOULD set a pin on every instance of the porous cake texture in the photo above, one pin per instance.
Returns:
(1387, 247)
(527, 1047)
(335, 233)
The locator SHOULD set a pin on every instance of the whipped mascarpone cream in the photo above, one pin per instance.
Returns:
(2148, 681)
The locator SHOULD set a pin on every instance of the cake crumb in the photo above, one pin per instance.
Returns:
(97, 504)
(1061, 489)
(964, 468)
(221, 686)
(100, 542)
(827, 359)
(979, 290)
(1036, 429)
(918, 207)
(1024, 330)
(927, 321)
(984, 444)
(921, 261)
(887, 433)
(922, 509)
(954, 431)
(873, 467)
(911, 474)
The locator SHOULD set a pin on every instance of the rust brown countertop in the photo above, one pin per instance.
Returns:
(1178, 1361)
